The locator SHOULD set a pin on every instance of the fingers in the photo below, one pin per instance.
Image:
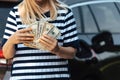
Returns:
(47, 39)
(48, 42)
(25, 30)
(23, 37)
(26, 39)
(26, 35)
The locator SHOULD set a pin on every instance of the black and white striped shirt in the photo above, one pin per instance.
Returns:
(34, 64)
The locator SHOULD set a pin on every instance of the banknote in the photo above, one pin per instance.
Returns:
(38, 29)
(54, 32)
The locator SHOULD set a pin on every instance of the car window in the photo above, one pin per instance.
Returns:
(107, 16)
(94, 18)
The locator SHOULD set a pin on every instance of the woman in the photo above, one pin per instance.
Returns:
(34, 64)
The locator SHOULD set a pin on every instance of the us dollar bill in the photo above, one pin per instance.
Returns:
(53, 32)
(38, 28)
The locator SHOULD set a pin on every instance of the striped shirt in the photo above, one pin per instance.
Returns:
(34, 64)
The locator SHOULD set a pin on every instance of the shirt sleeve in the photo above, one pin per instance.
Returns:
(70, 31)
(11, 26)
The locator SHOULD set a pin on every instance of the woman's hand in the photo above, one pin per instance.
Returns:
(49, 43)
(21, 36)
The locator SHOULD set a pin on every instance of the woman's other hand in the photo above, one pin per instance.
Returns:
(21, 36)
(49, 43)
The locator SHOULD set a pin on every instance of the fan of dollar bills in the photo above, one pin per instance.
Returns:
(38, 28)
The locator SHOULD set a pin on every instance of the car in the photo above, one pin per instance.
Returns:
(98, 25)
(94, 17)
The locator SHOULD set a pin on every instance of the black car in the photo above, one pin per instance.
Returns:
(98, 24)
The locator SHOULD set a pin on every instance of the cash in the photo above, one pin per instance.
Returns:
(38, 29)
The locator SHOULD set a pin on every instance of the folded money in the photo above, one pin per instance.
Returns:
(38, 28)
